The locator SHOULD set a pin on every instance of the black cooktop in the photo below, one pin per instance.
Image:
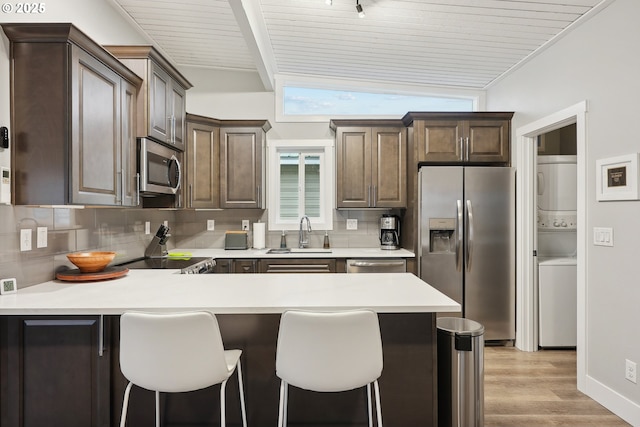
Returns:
(159, 263)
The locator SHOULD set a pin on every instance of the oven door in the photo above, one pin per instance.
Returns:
(159, 167)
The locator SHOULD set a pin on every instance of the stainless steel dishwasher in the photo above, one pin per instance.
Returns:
(377, 265)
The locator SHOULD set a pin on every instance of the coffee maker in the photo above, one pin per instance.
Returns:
(390, 232)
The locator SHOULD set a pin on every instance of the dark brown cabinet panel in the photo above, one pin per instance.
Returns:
(245, 266)
(242, 164)
(202, 163)
(55, 371)
(461, 137)
(72, 120)
(161, 107)
(298, 265)
(371, 165)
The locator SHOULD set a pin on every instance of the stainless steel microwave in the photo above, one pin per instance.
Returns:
(159, 168)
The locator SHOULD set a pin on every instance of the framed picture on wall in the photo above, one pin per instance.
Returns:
(617, 178)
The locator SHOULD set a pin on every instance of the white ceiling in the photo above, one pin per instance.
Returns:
(452, 43)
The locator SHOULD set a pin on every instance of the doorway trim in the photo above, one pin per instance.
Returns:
(526, 301)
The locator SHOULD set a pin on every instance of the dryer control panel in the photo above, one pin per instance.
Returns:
(557, 220)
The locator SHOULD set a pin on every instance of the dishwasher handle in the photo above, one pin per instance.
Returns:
(376, 266)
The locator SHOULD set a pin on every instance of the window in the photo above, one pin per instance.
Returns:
(300, 183)
(305, 99)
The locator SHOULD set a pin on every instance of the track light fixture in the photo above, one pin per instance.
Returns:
(359, 9)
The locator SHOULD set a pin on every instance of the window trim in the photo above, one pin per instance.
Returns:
(281, 80)
(327, 185)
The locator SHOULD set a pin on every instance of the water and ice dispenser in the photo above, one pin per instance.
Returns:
(442, 237)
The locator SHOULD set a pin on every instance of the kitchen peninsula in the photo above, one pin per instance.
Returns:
(248, 307)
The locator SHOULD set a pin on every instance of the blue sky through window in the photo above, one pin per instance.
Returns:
(325, 102)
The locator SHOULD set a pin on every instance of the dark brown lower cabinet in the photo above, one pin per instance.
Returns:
(55, 371)
(53, 374)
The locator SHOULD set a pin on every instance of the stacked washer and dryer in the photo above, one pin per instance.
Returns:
(556, 253)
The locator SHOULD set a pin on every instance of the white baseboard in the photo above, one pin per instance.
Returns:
(613, 401)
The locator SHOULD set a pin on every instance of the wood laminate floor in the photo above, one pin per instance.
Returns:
(525, 389)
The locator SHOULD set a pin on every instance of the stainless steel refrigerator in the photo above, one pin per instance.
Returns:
(467, 241)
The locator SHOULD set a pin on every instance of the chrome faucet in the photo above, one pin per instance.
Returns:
(303, 236)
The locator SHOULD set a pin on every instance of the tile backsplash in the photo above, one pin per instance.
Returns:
(122, 231)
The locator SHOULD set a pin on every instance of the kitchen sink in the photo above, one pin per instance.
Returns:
(288, 251)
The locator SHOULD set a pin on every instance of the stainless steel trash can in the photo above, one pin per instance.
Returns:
(460, 372)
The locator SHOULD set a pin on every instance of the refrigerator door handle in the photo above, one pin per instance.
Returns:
(469, 242)
(459, 221)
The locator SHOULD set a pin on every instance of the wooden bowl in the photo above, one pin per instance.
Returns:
(91, 262)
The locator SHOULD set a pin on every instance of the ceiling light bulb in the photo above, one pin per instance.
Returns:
(360, 11)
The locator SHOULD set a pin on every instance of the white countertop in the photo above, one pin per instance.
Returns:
(166, 290)
(305, 253)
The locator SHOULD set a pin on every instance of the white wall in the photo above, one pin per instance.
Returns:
(597, 62)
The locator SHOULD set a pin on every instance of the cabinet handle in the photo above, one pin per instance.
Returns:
(137, 189)
(101, 336)
(461, 148)
(375, 196)
(169, 130)
(467, 149)
(190, 196)
(369, 196)
(119, 193)
(173, 129)
(123, 185)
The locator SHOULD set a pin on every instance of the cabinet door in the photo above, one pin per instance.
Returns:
(55, 371)
(442, 141)
(129, 179)
(241, 168)
(202, 166)
(298, 265)
(389, 167)
(159, 103)
(353, 167)
(488, 141)
(95, 141)
(178, 115)
(224, 266)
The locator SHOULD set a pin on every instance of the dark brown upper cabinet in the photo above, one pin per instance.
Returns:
(482, 137)
(242, 163)
(161, 105)
(371, 164)
(73, 119)
(202, 163)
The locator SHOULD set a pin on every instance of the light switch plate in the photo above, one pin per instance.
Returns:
(211, 225)
(352, 224)
(147, 227)
(25, 239)
(41, 237)
(603, 236)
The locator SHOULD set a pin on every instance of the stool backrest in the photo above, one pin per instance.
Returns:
(329, 352)
(172, 352)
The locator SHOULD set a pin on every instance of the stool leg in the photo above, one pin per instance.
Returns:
(241, 388)
(378, 407)
(223, 421)
(370, 412)
(282, 409)
(157, 409)
(125, 404)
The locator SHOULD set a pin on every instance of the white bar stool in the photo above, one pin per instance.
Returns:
(329, 352)
(176, 352)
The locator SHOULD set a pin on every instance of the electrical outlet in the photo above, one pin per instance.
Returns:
(245, 224)
(630, 370)
(352, 224)
(211, 225)
(166, 223)
(25, 239)
(41, 237)
(147, 227)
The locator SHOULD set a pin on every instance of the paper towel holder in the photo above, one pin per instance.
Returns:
(259, 235)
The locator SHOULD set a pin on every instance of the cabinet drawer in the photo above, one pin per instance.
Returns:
(298, 265)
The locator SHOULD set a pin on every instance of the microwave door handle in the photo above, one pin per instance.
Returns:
(179, 173)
